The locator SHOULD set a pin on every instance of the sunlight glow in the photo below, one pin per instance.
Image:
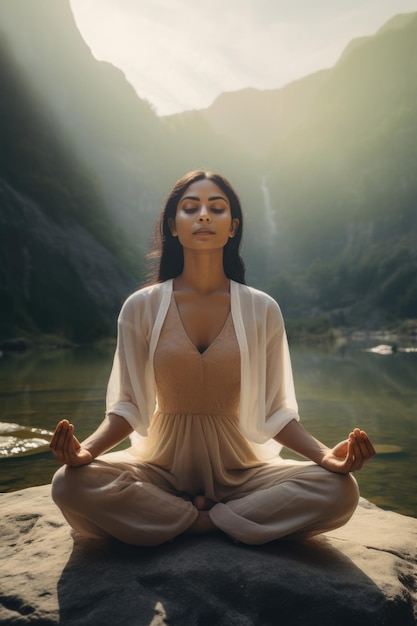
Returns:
(180, 54)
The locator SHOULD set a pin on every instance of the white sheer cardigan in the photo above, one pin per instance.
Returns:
(267, 396)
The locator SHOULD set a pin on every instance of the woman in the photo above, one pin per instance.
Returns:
(202, 378)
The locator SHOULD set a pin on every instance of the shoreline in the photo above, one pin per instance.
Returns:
(299, 330)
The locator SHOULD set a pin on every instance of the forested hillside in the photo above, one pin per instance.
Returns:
(326, 168)
(339, 165)
(58, 249)
(344, 185)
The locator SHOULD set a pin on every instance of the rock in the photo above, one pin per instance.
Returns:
(383, 349)
(363, 573)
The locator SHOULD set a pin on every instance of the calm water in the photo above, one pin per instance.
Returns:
(336, 390)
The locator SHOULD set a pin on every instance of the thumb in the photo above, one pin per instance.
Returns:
(350, 457)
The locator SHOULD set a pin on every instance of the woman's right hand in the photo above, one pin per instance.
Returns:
(66, 447)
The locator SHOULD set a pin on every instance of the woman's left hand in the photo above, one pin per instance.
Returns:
(349, 455)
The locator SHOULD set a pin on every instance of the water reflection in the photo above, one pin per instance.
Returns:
(336, 390)
(38, 389)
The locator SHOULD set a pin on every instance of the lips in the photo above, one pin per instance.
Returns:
(203, 231)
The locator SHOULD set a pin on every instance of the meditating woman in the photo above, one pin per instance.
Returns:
(202, 383)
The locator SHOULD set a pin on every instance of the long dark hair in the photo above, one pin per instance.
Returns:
(170, 251)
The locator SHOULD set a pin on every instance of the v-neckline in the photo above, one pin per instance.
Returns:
(203, 352)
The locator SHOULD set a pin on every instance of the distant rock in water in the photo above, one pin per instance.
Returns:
(383, 349)
(386, 349)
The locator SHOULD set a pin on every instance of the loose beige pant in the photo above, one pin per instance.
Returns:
(140, 504)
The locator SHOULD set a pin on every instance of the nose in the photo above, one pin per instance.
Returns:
(204, 216)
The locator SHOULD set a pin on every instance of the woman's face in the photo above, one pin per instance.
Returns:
(203, 218)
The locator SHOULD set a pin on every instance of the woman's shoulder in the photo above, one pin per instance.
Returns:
(258, 305)
(148, 296)
(259, 298)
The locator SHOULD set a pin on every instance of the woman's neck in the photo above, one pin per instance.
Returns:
(202, 273)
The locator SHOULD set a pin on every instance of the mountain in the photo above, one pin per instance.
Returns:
(337, 154)
(325, 167)
(252, 119)
(106, 124)
(135, 156)
(263, 117)
(84, 162)
(348, 175)
(61, 267)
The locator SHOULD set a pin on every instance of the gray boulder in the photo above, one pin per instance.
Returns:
(363, 573)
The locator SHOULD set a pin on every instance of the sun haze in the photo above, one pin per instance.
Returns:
(181, 54)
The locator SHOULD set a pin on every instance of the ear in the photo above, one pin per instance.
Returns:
(171, 224)
(234, 226)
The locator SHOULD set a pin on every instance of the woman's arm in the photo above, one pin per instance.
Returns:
(68, 450)
(347, 456)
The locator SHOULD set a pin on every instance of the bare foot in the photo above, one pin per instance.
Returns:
(203, 504)
(203, 523)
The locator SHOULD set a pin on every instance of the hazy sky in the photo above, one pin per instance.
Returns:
(181, 54)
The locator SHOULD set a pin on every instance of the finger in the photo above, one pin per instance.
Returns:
(368, 443)
(355, 444)
(67, 449)
(366, 448)
(361, 442)
(58, 437)
(69, 443)
(357, 460)
(349, 458)
(67, 429)
(369, 450)
(61, 450)
(361, 434)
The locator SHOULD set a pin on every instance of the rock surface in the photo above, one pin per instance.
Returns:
(364, 573)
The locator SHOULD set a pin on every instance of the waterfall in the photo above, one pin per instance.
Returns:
(271, 227)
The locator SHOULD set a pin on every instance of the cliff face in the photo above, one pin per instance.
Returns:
(68, 281)
(106, 124)
(364, 573)
(64, 261)
(77, 143)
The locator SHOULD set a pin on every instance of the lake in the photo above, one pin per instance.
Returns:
(337, 389)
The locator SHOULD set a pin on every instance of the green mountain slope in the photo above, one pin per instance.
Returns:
(58, 249)
(326, 168)
(337, 154)
(345, 182)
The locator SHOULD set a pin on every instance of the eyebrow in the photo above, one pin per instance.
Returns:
(197, 199)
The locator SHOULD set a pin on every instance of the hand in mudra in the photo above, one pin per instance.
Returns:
(349, 455)
(66, 447)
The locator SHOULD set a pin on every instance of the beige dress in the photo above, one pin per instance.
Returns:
(194, 436)
(194, 446)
